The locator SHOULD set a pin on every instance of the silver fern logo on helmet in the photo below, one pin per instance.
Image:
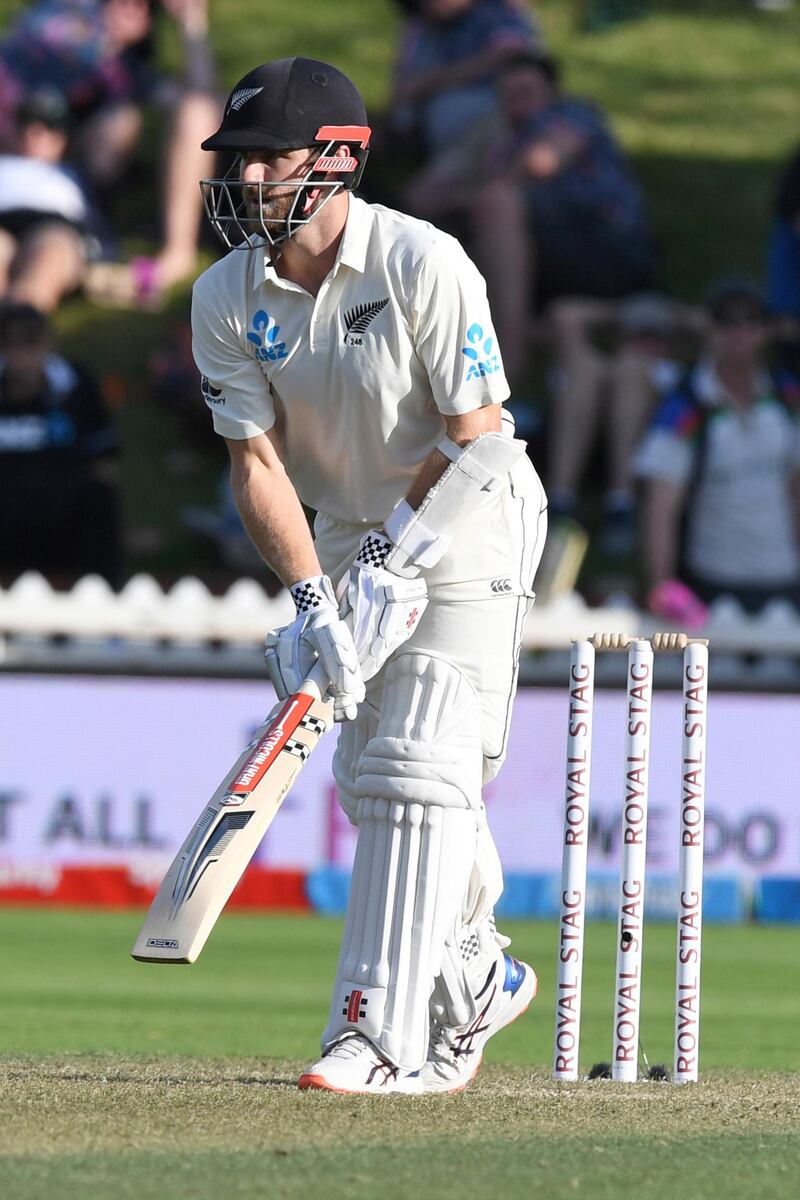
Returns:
(240, 98)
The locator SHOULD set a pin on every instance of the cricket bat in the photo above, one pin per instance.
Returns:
(227, 833)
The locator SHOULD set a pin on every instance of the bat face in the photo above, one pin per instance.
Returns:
(227, 834)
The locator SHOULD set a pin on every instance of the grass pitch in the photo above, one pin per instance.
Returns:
(122, 1080)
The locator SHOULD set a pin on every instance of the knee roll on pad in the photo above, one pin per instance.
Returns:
(353, 738)
(427, 747)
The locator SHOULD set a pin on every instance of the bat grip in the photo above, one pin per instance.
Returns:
(316, 682)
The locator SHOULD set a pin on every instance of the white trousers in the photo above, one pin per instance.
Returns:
(479, 594)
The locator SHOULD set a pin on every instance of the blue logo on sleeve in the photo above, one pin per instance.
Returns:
(480, 352)
(265, 338)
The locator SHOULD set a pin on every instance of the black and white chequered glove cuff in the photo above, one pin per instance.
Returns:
(313, 593)
(374, 548)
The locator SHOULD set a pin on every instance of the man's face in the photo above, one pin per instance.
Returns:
(738, 333)
(272, 204)
(524, 92)
(127, 21)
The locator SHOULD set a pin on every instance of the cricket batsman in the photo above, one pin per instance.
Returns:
(350, 363)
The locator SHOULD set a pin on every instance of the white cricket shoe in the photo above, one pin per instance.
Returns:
(353, 1065)
(455, 1054)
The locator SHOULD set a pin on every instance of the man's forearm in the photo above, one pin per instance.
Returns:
(429, 473)
(273, 516)
(461, 430)
(661, 533)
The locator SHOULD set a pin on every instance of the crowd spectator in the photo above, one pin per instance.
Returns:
(561, 214)
(44, 212)
(446, 68)
(627, 357)
(100, 55)
(552, 211)
(58, 495)
(721, 472)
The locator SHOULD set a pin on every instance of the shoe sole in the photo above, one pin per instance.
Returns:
(320, 1083)
(460, 1087)
(309, 1083)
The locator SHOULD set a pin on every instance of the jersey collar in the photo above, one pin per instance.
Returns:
(355, 240)
(352, 248)
(711, 391)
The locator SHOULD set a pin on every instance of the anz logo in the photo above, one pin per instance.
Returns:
(264, 336)
(484, 360)
(211, 394)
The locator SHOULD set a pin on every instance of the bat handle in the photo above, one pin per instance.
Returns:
(316, 682)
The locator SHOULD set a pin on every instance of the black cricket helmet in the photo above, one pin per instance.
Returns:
(288, 104)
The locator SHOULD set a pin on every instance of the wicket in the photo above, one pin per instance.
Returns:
(630, 914)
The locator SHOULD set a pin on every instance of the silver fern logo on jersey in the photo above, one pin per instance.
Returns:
(359, 318)
(240, 98)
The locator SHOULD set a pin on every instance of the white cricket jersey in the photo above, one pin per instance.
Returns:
(358, 378)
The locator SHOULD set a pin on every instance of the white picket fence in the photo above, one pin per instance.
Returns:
(188, 614)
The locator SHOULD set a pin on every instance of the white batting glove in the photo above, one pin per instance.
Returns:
(382, 608)
(317, 632)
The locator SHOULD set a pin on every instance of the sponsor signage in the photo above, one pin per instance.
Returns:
(114, 772)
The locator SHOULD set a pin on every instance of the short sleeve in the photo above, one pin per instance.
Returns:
(667, 451)
(453, 332)
(233, 384)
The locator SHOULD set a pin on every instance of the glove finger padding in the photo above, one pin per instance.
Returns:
(333, 642)
(288, 657)
(316, 632)
(383, 608)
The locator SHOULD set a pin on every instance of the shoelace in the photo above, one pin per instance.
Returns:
(351, 1047)
(444, 1050)
(440, 1048)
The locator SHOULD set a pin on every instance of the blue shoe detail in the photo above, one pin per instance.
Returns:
(515, 974)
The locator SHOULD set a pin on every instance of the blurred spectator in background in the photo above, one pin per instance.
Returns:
(446, 70)
(721, 472)
(44, 213)
(783, 266)
(560, 216)
(59, 504)
(620, 373)
(99, 54)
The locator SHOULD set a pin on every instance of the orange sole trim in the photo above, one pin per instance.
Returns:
(319, 1083)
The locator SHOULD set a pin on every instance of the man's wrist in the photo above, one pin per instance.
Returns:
(316, 591)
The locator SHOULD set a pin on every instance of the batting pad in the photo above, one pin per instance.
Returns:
(418, 815)
(410, 872)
